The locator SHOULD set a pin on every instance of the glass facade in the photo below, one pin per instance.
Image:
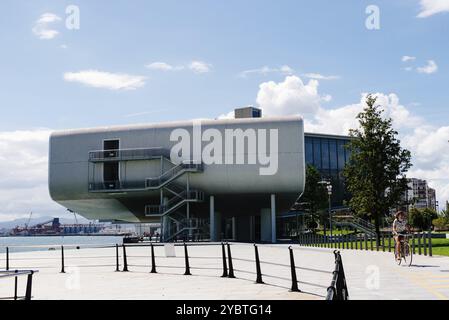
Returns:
(329, 155)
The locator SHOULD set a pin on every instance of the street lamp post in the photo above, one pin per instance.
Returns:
(329, 193)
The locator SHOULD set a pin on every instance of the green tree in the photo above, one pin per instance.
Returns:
(416, 219)
(315, 195)
(428, 216)
(376, 172)
(422, 218)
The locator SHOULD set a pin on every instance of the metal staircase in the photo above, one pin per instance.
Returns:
(174, 203)
(178, 224)
(355, 223)
(172, 174)
(187, 229)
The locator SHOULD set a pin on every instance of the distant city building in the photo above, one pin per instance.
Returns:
(420, 195)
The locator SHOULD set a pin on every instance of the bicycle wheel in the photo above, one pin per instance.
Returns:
(398, 261)
(408, 253)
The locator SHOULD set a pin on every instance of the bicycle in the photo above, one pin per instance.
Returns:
(406, 252)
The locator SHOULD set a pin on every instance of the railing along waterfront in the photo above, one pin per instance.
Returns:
(251, 262)
(4, 274)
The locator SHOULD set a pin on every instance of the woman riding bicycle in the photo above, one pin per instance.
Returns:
(400, 228)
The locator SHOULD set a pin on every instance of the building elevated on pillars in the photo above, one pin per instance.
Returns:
(214, 179)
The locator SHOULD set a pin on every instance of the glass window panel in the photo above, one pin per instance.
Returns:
(341, 154)
(333, 154)
(309, 151)
(317, 153)
(325, 154)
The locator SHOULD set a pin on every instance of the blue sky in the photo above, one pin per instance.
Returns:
(153, 61)
(326, 37)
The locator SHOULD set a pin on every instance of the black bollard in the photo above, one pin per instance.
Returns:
(356, 242)
(231, 267)
(7, 258)
(258, 271)
(413, 243)
(383, 242)
(293, 272)
(430, 243)
(125, 260)
(117, 269)
(153, 260)
(62, 260)
(424, 242)
(389, 242)
(366, 241)
(15, 285)
(361, 243)
(371, 243)
(186, 257)
(419, 244)
(29, 285)
(225, 268)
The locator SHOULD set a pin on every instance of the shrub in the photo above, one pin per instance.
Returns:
(441, 224)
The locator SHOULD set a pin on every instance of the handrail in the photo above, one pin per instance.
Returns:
(128, 154)
(17, 273)
(172, 172)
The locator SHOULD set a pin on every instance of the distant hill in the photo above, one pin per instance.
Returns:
(22, 221)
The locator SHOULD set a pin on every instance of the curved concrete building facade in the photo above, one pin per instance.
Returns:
(205, 176)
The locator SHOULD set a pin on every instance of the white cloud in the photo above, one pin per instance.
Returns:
(431, 7)
(408, 58)
(318, 76)
(107, 80)
(289, 97)
(24, 171)
(162, 66)
(200, 67)
(284, 70)
(430, 68)
(194, 66)
(42, 28)
(428, 144)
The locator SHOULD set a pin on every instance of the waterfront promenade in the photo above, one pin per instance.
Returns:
(90, 274)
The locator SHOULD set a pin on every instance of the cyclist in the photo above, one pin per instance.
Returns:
(400, 228)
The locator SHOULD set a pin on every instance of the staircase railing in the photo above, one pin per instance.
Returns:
(174, 203)
(355, 222)
(172, 173)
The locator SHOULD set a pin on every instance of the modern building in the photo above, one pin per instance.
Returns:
(214, 179)
(420, 195)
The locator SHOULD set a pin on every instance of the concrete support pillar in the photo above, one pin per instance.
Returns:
(265, 225)
(214, 233)
(273, 218)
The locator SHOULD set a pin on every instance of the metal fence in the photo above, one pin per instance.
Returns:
(16, 274)
(420, 242)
